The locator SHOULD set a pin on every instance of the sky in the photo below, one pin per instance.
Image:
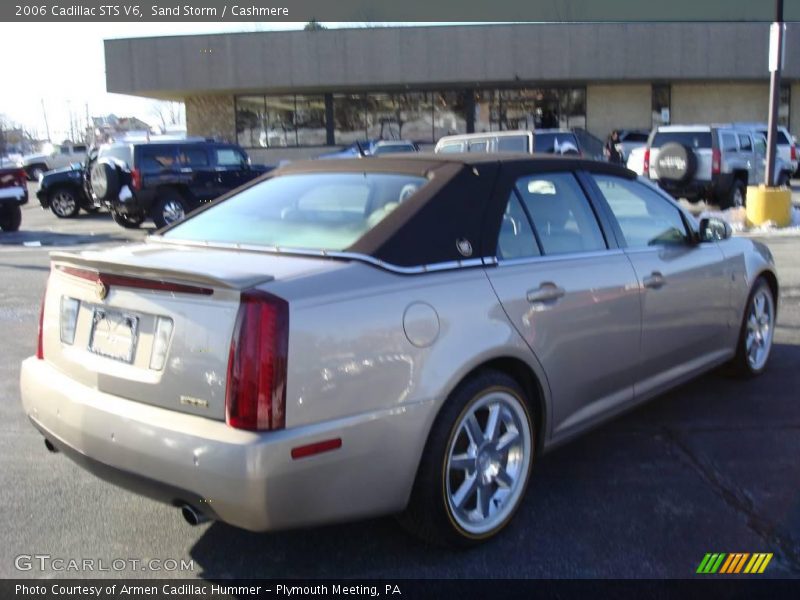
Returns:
(67, 71)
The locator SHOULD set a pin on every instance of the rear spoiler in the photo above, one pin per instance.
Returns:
(138, 267)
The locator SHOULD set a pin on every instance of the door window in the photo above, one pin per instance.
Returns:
(744, 143)
(563, 219)
(228, 157)
(155, 158)
(645, 218)
(194, 157)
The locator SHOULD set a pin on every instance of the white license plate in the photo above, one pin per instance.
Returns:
(114, 334)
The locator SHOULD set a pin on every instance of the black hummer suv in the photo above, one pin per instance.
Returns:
(166, 179)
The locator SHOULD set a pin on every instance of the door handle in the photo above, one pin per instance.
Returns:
(654, 281)
(547, 292)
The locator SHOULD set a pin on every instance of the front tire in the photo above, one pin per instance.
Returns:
(476, 464)
(127, 221)
(63, 203)
(757, 332)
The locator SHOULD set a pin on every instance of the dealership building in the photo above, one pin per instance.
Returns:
(293, 94)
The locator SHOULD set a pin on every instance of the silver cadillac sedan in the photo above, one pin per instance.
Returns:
(342, 339)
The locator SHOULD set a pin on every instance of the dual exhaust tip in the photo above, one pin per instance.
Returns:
(190, 514)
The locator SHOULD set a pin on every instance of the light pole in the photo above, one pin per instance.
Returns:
(775, 59)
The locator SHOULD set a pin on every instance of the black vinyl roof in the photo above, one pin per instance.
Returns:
(465, 195)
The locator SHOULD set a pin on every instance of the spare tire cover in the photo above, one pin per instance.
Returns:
(105, 181)
(676, 162)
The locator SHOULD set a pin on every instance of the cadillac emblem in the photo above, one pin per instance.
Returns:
(101, 289)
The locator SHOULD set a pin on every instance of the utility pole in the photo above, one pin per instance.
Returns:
(46, 126)
(775, 60)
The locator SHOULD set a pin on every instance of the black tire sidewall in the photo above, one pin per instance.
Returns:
(10, 218)
(728, 201)
(127, 221)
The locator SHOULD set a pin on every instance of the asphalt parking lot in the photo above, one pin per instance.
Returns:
(710, 467)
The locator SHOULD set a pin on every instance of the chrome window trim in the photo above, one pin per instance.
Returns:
(304, 252)
(548, 258)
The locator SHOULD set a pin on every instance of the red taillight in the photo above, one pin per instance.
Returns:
(793, 156)
(715, 161)
(255, 397)
(646, 166)
(22, 178)
(136, 180)
(40, 335)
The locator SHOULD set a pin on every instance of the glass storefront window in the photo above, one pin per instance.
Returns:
(310, 120)
(449, 113)
(530, 108)
(661, 104)
(403, 116)
(250, 118)
(349, 118)
(279, 125)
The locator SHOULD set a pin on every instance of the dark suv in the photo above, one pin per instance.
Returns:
(165, 180)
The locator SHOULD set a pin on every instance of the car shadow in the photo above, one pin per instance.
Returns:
(605, 489)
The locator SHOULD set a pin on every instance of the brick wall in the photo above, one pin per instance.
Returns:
(211, 116)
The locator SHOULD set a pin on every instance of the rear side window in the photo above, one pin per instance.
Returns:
(516, 239)
(745, 144)
(645, 218)
(512, 144)
(563, 219)
(479, 146)
(157, 158)
(324, 211)
(451, 148)
(780, 139)
(692, 139)
(193, 157)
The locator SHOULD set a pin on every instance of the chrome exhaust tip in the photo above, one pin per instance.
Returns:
(193, 516)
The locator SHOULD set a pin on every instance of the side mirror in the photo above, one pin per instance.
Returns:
(714, 230)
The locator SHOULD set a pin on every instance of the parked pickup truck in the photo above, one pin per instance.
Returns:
(61, 156)
(66, 191)
(13, 194)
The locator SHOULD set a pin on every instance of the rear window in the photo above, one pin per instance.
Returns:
(320, 211)
(554, 143)
(692, 139)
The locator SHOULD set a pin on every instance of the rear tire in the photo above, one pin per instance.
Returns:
(736, 196)
(10, 218)
(63, 203)
(170, 208)
(127, 221)
(757, 332)
(476, 464)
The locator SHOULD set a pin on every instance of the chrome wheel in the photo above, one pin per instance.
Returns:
(738, 197)
(758, 336)
(63, 204)
(173, 211)
(488, 462)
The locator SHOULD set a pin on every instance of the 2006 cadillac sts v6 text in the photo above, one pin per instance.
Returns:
(406, 335)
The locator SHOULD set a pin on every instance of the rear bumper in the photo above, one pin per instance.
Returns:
(691, 190)
(244, 478)
(13, 196)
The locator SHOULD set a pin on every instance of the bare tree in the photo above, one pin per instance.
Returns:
(314, 25)
(168, 113)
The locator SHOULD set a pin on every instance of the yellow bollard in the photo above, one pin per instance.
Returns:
(768, 204)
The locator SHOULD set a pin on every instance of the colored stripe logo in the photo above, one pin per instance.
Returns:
(734, 563)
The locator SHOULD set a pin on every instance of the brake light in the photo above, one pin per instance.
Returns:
(136, 180)
(715, 161)
(646, 166)
(793, 155)
(255, 397)
(22, 178)
(40, 335)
